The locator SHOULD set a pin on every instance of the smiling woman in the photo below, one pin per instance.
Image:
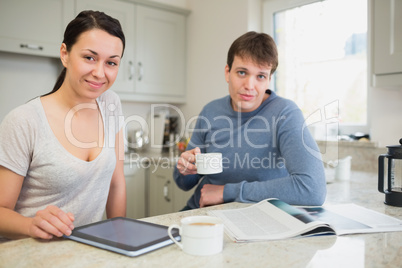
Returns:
(91, 66)
(61, 154)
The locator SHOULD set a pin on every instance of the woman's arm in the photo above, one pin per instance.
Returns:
(116, 202)
(47, 223)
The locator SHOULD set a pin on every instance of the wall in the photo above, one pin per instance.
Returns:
(23, 77)
(176, 3)
(212, 27)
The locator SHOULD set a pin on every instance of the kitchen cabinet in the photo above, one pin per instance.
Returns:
(160, 54)
(164, 196)
(135, 189)
(153, 65)
(34, 27)
(387, 42)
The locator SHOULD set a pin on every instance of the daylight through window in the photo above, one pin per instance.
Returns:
(323, 58)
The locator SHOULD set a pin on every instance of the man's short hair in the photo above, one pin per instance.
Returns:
(259, 47)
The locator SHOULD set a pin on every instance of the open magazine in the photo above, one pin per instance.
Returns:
(273, 219)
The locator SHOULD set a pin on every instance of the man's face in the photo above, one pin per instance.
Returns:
(247, 84)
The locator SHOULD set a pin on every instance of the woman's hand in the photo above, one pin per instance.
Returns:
(185, 164)
(50, 222)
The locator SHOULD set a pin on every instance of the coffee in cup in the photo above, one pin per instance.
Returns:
(202, 223)
(200, 235)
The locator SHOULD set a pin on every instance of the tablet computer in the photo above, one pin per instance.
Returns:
(123, 235)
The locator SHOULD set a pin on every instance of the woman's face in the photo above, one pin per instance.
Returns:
(92, 63)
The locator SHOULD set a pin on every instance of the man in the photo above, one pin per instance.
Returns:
(267, 150)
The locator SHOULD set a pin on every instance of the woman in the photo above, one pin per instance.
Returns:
(61, 154)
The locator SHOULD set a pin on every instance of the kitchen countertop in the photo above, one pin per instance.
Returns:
(358, 250)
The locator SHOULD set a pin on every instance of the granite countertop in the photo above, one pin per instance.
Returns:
(359, 250)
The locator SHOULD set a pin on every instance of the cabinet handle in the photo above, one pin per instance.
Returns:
(166, 191)
(30, 46)
(130, 70)
(141, 71)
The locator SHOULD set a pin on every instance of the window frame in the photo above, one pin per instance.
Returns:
(269, 7)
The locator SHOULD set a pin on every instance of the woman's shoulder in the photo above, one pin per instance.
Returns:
(110, 105)
(109, 96)
(25, 111)
(25, 117)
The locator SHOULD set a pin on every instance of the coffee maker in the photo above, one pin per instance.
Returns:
(170, 133)
(393, 189)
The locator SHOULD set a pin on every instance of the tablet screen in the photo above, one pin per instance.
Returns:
(123, 233)
(132, 233)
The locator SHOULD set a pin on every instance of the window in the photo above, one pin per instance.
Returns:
(322, 59)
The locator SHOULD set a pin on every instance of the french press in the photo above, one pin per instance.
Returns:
(393, 191)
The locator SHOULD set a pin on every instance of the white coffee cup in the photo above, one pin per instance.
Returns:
(200, 235)
(342, 168)
(208, 163)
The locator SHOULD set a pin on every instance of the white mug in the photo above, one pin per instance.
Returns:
(342, 168)
(200, 235)
(209, 163)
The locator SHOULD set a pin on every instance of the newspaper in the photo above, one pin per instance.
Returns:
(273, 219)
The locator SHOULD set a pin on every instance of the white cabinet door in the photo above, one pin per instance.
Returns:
(387, 43)
(181, 197)
(160, 198)
(164, 196)
(160, 53)
(124, 12)
(153, 66)
(387, 36)
(135, 186)
(34, 27)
